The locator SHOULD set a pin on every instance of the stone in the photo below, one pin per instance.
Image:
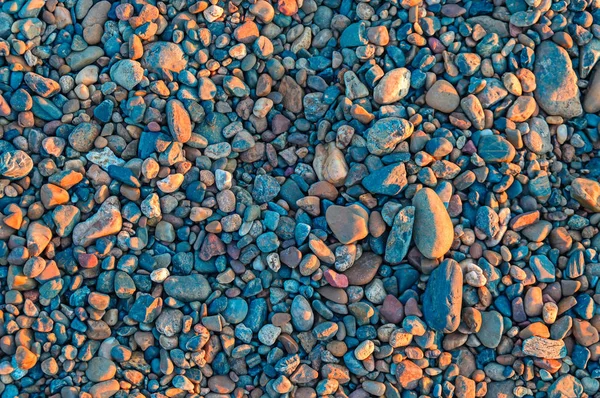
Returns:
(386, 133)
(100, 369)
(408, 374)
(15, 164)
(82, 137)
(179, 121)
(105, 222)
(187, 288)
(442, 300)
(364, 269)
(302, 314)
(442, 96)
(127, 73)
(591, 99)
(399, 239)
(163, 58)
(265, 189)
(557, 92)
(146, 308)
(495, 149)
(392, 87)
(388, 180)
(587, 193)
(349, 224)
(433, 231)
(491, 330)
(565, 386)
(544, 348)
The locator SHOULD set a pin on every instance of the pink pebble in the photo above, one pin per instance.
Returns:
(335, 279)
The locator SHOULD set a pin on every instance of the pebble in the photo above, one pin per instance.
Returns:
(442, 300)
(392, 87)
(556, 92)
(433, 231)
(442, 96)
(348, 224)
(331, 198)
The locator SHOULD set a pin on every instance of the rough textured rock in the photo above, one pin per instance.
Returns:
(442, 300)
(105, 222)
(557, 92)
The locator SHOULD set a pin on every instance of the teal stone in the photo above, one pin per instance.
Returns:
(354, 35)
(45, 109)
(495, 149)
(542, 268)
(389, 180)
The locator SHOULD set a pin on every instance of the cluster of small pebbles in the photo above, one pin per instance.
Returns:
(299, 198)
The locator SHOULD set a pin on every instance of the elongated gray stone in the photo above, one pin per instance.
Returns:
(442, 300)
(400, 236)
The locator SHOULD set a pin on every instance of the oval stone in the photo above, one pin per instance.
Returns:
(442, 300)
(433, 232)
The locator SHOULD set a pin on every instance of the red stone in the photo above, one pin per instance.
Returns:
(87, 260)
(335, 279)
(392, 309)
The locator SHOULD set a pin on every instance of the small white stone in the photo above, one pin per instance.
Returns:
(212, 13)
(159, 275)
(223, 179)
(364, 350)
(562, 134)
(268, 334)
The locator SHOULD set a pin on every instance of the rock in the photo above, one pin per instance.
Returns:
(42, 86)
(105, 222)
(349, 224)
(544, 348)
(179, 121)
(399, 239)
(388, 180)
(442, 96)
(494, 148)
(408, 374)
(538, 139)
(557, 92)
(24, 358)
(542, 268)
(127, 73)
(292, 94)
(433, 232)
(302, 314)
(15, 164)
(591, 99)
(500, 389)
(565, 386)
(78, 60)
(146, 308)
(354, 35)
(330, 165)
(82, 137)
(38, 237)
(386, 133)
(487, 221)
(97, 14)
(364, 269)
(100, 369)
(392, 87)
(587, 193)
(491, 330)
(442, 300)
(522, 109)
(163, 58)
(266, 188)
(187, 288)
